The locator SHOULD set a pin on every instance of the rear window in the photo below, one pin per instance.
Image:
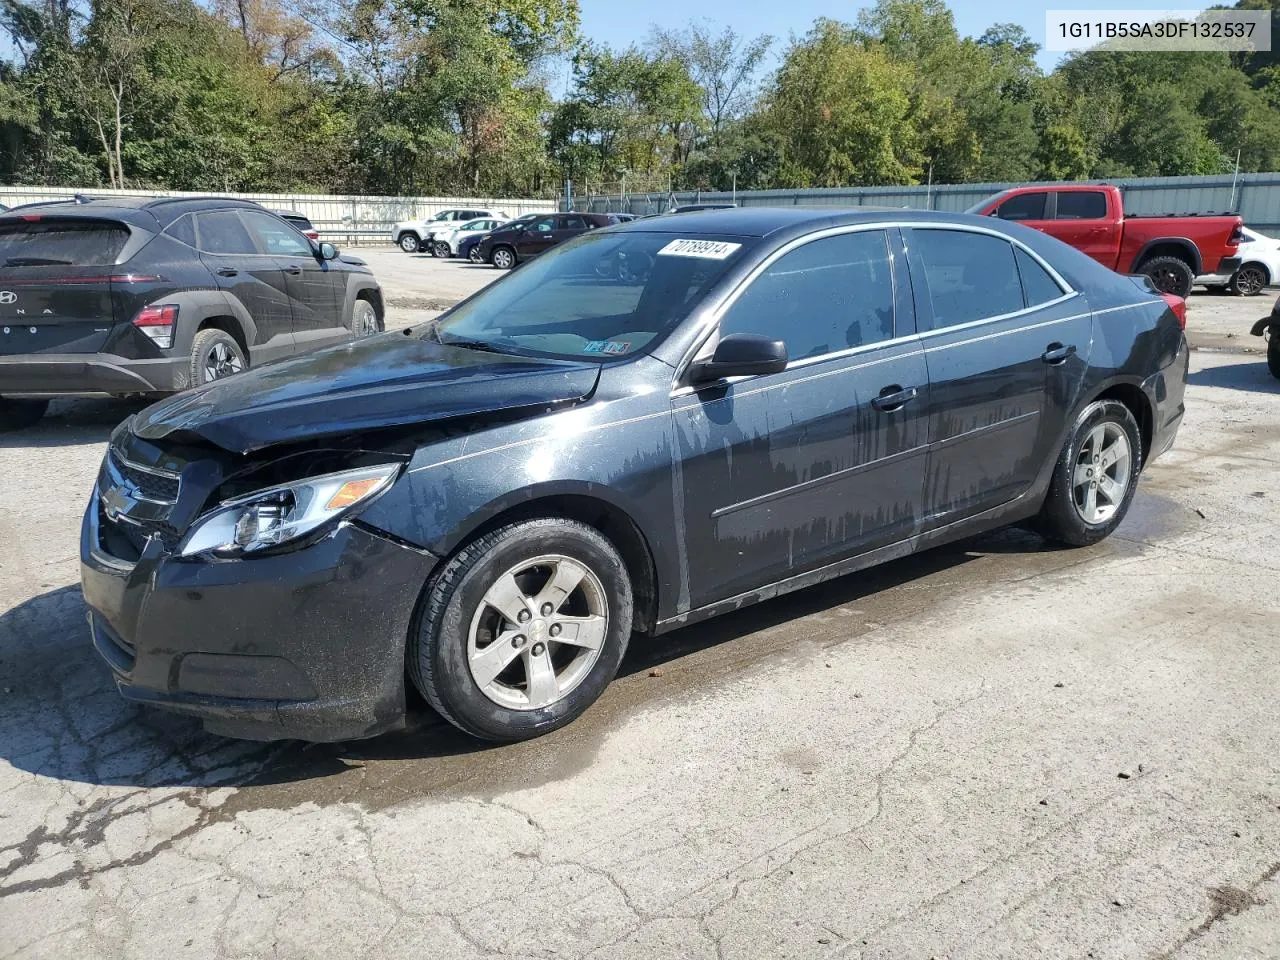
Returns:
(61, 243)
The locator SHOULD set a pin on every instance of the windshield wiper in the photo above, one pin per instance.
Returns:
(467, 343)
(36, 262)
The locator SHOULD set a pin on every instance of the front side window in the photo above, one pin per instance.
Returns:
(970, 276)
(545, 225)
(277, 237)
(599, 296)
(1025, 206)
(823, 296)
(222, 232)
(1082, 205)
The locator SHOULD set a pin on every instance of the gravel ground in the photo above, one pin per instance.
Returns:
(994, 749)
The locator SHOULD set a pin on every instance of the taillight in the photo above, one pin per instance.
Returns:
(1237, 236)
(1178, 306)
(157, 322)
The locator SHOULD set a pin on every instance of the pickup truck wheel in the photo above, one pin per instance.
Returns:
(1170, 275)
(1250, 280)
(1273, 353)
(20, 414)
(409, 242)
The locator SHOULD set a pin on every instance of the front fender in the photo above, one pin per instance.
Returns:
(1262, 325)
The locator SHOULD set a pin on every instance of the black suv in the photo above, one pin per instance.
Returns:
(122, 297)
(516, 242)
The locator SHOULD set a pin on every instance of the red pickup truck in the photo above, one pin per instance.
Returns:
(1170, 250)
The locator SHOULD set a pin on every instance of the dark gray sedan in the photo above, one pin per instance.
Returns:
(647, 426)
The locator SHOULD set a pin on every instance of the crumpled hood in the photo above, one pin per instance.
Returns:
(383, 381)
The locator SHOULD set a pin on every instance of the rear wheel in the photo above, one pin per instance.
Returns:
(1095, 476)
(20, 414)
(523, 629)
(1250, 280)
(1273, 352)
(215, 355)
(409, 242)
(1170, 275)
(504, 258)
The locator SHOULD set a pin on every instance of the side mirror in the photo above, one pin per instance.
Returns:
(742, 355)
(328, 251)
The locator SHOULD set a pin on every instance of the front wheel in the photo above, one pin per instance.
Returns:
(20, 414)
(442, 250)
(409, 243)
(523, 629)
(1170, 275)
(364, 319)
(504, 258)
(475, 256)
(1095, 476)
(1250, 280)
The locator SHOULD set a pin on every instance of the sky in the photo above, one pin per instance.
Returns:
(621, 24)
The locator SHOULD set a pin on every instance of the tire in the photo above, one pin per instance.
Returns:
(1065, 516)
(442, 250)
(364, 319)
(20, 414)
(408, 242)
(475, 256)
(504, 258)
(1170, 275)
(1250, 280)
(215, 355)
(1273, 352)
(457, 625)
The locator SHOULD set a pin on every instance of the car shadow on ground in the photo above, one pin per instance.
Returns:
(74, 421)
(1249, 374)
(63, 718)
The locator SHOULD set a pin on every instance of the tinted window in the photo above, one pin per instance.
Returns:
(1025, 206)
(184, 229)
(277, 237)
(299, 221)
(1037, 285)
(1082, 205)
(545, 225)
(970, 276)
(54, 243)
(824, 296)
(222, 232)
(573, 223)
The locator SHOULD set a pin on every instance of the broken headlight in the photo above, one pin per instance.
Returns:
(277, 515)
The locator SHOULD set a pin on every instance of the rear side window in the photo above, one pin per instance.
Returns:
(184, 229)
(61, 243)
(222, 232)
(1025, 206)
(970, 276)
(1082, 205)
(573, 223)
(824, 296)
(1037, 286)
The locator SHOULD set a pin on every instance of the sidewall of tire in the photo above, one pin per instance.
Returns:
(200, 346)
(1059, 519)
(1273, 352)
(1188, 274)
(439, 646)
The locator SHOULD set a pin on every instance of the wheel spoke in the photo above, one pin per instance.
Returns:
(1083, 474)
(486, 664)
(1097, 436)
(507, 598)
(543, 688)
(1110, 489)
(562, 583)
(587, 632)
(1090, 503)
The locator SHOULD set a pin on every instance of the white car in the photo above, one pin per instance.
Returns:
(1259, 266)
(444, 240)
(414, 235)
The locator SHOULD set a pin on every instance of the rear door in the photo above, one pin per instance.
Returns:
(55, 287)
(1080, 219)
(256, 281)
(311, 283)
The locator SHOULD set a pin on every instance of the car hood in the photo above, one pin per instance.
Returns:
(383, 381)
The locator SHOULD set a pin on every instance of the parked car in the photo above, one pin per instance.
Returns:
(518, 242)
(151, 296)
(1259, 266)
(412, 235)
(490, 508)
(469, 247)
(1171, 250)
(444, 240)
(1269, 327)
(301, 223)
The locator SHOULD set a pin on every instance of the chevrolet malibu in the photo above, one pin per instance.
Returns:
(645, 427)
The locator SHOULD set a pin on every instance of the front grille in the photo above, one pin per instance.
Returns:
(157, 487)
(121, 540)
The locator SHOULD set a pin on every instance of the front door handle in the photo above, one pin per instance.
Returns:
(293, 270)
(1057, 352)
(894, 398)
(228, 272)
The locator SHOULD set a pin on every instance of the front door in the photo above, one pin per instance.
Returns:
(1005, 344)
(254, 281)
(787, 472)
(311, 282)
(537, 237)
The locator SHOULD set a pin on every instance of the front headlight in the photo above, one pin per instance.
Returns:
(286, 512)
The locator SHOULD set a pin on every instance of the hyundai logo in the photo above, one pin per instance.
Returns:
(8, 296)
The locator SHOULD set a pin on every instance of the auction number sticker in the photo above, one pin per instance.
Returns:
(703, 249)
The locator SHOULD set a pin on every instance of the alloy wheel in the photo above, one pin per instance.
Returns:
(537, 632)
(364, 319)
(221, 361)
(502, 259)
(1102, 473)
(1250, 280)
(409, 243)
(475, 256)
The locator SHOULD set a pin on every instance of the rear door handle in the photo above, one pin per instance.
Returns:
(1058, 353)
(894, 398)
(228, 272)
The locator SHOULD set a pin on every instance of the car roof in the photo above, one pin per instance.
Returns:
(139, 211)
(763, 221)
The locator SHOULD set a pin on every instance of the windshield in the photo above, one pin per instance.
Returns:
(602, 296)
